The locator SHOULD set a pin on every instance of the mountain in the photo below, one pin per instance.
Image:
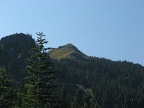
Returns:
(67, 51)
(112, 84)
(14, 52)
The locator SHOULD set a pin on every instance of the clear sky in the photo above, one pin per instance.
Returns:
(112, 29)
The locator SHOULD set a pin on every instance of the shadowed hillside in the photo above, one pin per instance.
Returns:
(14, 52)
(108, 80)
(100, 82)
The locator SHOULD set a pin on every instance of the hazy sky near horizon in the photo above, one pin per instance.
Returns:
(112, 29)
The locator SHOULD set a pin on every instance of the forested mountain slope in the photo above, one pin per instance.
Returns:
(113, 84)
(14, 52)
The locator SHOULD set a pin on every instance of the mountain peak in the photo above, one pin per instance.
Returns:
(67, 51)
(69, 45)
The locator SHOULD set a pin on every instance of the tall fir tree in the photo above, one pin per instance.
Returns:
(40, 85)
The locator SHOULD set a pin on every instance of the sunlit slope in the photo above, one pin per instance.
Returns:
(67, 51)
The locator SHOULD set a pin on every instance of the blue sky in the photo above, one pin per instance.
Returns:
(112, 29)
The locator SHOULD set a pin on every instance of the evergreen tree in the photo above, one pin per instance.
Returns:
(40, 83)
(6, 95)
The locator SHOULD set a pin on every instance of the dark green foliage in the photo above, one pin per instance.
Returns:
(84, 98)
(40, 82)
(14, 51)
(65, 102)
(6, 92)
(78, 100)
(113, 83)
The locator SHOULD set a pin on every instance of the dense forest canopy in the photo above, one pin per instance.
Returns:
(14, 52)
(84, 81)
